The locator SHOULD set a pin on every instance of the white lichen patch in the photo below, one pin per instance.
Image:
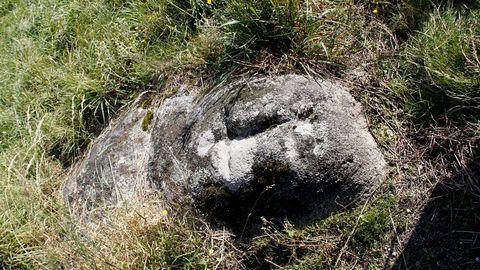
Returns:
(323, 143)
(319, 150)
(292, 153)
(234, 159)
(241, 157)
(220, 158)
(205, 143)
(304, 128)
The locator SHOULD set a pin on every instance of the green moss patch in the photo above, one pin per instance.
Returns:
(147, 120)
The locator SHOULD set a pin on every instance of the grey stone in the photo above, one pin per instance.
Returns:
(114, 169)
(278, 147)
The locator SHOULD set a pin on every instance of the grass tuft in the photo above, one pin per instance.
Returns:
(438, 75)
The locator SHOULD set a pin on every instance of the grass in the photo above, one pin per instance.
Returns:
(63, 76)
(446, 83)
(134, 240)
(362, 231)
(67, 67)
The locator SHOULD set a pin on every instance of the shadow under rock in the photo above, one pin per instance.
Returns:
(447, 235)
(274, 195)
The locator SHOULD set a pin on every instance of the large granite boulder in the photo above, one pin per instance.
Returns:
(274, 147)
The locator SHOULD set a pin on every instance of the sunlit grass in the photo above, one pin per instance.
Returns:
(438, 73)
(67, 67)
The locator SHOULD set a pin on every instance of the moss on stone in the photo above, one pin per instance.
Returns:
(147, 120)
(147, 103)
(171, 92)
(219, 204)
(211, 196)
(269, 172)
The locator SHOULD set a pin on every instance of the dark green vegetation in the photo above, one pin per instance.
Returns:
(147, 120)
(66, 67)
(443, 79)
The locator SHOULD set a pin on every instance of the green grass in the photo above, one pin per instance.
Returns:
(438, 74)
(71, 71)
(365, 229)
(66, 67)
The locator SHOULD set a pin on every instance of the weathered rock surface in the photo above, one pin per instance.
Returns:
(279, 147)
(114, 169)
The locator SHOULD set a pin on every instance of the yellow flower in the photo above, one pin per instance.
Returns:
(209, 2)
(165, 212)
(375, 11)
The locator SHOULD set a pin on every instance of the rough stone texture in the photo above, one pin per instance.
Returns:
(114, 169)
(281, 147)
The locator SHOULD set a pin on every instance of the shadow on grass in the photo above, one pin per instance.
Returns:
(447, 235)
